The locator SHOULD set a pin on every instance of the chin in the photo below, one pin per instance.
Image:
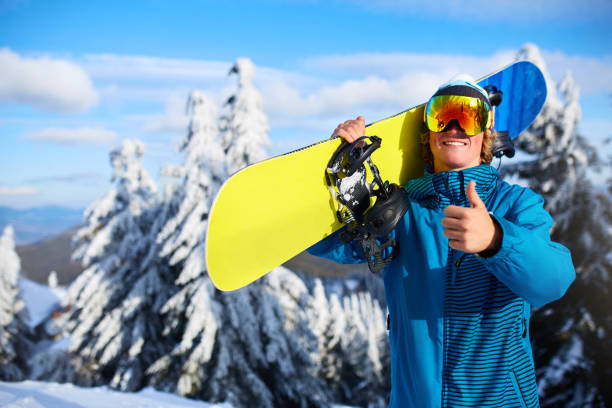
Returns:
(455, 165)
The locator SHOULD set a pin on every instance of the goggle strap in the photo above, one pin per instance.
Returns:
(462, 90)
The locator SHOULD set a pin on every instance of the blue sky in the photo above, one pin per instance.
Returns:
(77, 77)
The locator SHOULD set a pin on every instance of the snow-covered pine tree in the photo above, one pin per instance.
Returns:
(353, 347)
(250, 347)
(245, 127)
(182, 238)
(561, 156)
(363, 370)
(269, 324)
(189, 315)
(14, 333)
(328, 323)
(571, 336)
(114, 303)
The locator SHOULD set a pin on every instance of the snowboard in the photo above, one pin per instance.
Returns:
(268, 212)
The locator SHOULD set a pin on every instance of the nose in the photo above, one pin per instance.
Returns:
(453, 125)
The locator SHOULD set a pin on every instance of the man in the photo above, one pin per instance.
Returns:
(474, 254)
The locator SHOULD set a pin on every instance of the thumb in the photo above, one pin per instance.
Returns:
(472, 195)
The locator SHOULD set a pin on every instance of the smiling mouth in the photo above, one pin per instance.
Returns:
(454, 143)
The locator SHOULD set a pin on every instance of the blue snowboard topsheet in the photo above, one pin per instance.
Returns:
(524, 93)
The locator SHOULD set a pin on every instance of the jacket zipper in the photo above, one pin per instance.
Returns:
(457, 266)
(454, 266)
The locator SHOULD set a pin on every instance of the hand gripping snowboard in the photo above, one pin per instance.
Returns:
(269, 212)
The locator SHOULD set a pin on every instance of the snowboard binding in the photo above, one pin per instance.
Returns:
(369, 225)
(503, 145)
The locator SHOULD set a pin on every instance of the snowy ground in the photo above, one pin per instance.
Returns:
(34, 394)
(41, 301)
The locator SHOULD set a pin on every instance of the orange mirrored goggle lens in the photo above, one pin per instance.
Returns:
(471, 113)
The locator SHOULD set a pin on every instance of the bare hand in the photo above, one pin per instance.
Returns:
(351, 130)
(471, 229)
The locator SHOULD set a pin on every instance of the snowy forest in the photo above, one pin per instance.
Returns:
(144, 312)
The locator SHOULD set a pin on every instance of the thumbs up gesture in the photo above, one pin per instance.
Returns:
(471, 229)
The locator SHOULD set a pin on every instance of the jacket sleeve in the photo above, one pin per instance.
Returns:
(332, 248)
(528, 262)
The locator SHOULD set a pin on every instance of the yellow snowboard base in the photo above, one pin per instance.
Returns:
(271, 211)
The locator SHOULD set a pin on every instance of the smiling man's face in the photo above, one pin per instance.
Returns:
(454, 150)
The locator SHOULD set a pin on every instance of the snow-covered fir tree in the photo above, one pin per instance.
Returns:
(245, 127)
(189, 314)
(247, 347)
(113, 322)
(14, 333)
(571, 336)
(182, 238)
(353, 350)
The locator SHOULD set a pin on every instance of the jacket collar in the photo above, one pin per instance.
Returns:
(439, 190)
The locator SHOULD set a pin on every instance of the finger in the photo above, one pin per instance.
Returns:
(336, 131)
(454, 235)
(356, 127)
(341, 132)
(353, 132)
(458, 245)
(454, 211)
(453, 223)
(472, 195)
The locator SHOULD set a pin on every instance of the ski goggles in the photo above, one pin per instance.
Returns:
(472, 112)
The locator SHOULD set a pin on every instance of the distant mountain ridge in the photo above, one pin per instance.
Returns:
(50, 254)
(53, 253)
(37, 223)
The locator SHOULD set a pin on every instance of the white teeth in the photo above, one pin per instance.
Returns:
(454, 144)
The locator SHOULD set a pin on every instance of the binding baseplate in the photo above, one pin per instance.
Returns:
(368, 224)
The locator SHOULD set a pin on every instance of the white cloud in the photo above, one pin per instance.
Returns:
(133, 78)
(309, 96)
(377, 85)
(72, 136)
(593, 75)
(84, 177)
(52, 85)
(131, 67)
(124, 77)
(318, 92)
(173, 120)
(17, 191)
(397, 64)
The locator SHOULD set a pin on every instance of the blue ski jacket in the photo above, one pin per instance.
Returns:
(459, 323)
